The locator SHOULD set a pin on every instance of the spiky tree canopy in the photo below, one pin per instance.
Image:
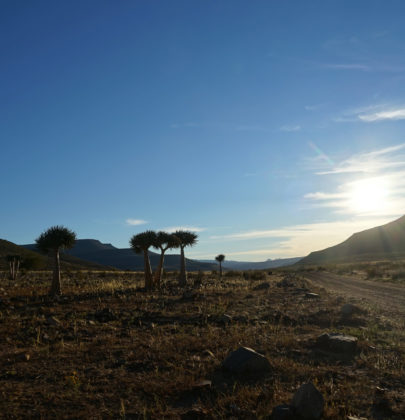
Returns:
(11, 258)
(56, 238)
(142, 241)
(220, 257)
(186, 238)
(166, 241)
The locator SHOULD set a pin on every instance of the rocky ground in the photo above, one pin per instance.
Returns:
(241, 348)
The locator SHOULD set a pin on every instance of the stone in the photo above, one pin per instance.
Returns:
(245, 360)
(337, 343)
(262, 286)
(308, 402)
(225, 319)
(53, 321)
(190, 294)
(348, 310)
(282, 412)
(105, 315)
(355, 418)
(312, 295)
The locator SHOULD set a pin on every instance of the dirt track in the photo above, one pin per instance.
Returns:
(389, 297)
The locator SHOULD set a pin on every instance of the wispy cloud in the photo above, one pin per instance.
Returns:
(372, 113)
(290, 128)
(394, 114)
(135, 222)
(172, 229)
(370, 162)
(348, 66)
(313, 107)
(376, 186)
(300, 240)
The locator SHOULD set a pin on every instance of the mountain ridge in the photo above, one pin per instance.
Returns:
(124, 258)
(385, 241)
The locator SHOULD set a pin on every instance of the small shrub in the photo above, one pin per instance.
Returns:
(399, 275)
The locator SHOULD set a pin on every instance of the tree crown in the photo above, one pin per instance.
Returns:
(220, 257)
(166, 241)
(55, 238)
(186, 238)
(143, 241)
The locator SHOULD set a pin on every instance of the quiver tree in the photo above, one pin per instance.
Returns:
(163, 241)
(52, 241)
(220, 258)
(141, 243)
(186, 238)
(14, 265)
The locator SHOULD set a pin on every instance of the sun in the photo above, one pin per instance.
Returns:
(368, 195)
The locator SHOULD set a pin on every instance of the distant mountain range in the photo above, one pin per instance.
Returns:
(34, 260)
(125, 258)
(262, 265)
(386, 241)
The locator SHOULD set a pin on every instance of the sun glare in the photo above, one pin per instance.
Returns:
(368, 195)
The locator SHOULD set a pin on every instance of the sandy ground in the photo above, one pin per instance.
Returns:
(388, 297)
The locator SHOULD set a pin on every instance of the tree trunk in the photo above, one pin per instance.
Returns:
(56, 286)
(148, 270)
(159, 269)
(12, 269)
(183, 272)
(220, 270)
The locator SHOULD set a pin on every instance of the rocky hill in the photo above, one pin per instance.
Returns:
(125, 258)
(386, 241)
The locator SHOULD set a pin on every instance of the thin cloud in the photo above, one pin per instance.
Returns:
(135, 222)
(371, 114)
(395, 114)
(348, 66)
(290, 128)
(377, 190)
(302, 239)
(173, 229)
(371, 162)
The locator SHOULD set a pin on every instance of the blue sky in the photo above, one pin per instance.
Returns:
(270, 128)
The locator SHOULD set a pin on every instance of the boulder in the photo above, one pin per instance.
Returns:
(337, 343)
(282, 412)
(225, 319)
(348, 310)
(312, 295)
(308, 402)
(244, 360)
(262, 286)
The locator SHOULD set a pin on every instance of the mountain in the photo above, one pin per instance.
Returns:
(125, 258)
(386, 241)
(31, 259)
(262, 265)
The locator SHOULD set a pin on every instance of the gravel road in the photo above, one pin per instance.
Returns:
(389, 297)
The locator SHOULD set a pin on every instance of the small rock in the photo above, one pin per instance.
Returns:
(190, 294)
(337, 343)
(245, 360)
(312, 295)
(241, 318)
(23, 357)
(194, 414)
(355, 418)
(204, 384)
(348, 310)
(282, 412)
(208, 353)
(53, 321)
(105, 315)
(308, 402)
(225, 319)
(262, 286)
